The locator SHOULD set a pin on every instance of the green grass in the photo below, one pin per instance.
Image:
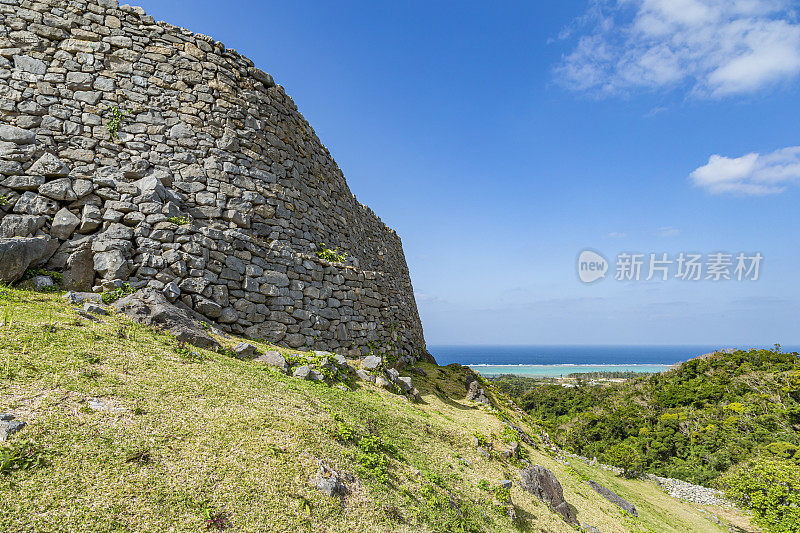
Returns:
(194, 439)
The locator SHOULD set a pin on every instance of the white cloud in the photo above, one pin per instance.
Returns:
(421, 298)
(617, 234)
(753, 174)
(668, 231)
(714, 48)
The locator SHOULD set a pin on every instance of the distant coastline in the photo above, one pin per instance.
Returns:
(556, 361)
(554, 371)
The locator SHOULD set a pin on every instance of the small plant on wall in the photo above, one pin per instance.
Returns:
(181, 220)
(332, 255)
(115, 116)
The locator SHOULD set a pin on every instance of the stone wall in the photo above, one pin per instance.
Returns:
(214, 189)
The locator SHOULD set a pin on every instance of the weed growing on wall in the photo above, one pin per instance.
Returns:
(112, 296)
(332, 255)
(115, 116)
(181, 220)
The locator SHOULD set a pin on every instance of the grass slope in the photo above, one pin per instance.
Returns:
(190, 441)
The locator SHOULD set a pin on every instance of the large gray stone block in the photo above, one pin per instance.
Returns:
(17, 254)
(49, 166)
(64, 223)
(21, 225)
(16, 135)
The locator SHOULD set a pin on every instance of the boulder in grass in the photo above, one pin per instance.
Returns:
(273, 358)
(371, 363)
(477, 394)
(405, 383)
(38, 284)
(150, 307)
(365, 376)
(512, 451)
(94, 309)
(543, 484)
(329, 482)
(611, 496)
(244, 350)
(9, 428)
(302, 372)
(342, 361)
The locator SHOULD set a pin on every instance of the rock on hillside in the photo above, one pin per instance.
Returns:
(151, 308)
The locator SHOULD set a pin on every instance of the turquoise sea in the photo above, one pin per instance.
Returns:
(555, 371)
(555, 361)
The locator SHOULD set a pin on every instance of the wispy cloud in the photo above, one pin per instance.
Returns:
(761, 300)
(668, 231)
(713, 48)
(421, 297)
(655, 111)
(617, 234)
(750, 174)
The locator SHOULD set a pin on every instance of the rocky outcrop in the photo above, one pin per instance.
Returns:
(151, 308)
(213, 189)
(611, 496)
(543, 484)
(329, 482)
(477, 394)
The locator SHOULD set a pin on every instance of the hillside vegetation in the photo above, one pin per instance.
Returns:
(128, 430)
(728, 419)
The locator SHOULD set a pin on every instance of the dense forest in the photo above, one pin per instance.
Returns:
(693, 422)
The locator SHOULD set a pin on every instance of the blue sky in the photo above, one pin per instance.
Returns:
(501, 140)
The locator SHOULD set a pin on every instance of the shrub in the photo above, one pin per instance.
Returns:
(19, 456)
(784, 450)
(502, 494)
(509, 435)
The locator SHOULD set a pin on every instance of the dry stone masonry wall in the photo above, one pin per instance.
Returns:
(213, 189)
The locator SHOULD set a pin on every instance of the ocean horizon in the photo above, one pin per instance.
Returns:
(560, 360)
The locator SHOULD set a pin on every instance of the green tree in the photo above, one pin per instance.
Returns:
(770, 488)
(625, 457)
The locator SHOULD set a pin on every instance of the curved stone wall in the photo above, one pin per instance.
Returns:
(214, 188)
